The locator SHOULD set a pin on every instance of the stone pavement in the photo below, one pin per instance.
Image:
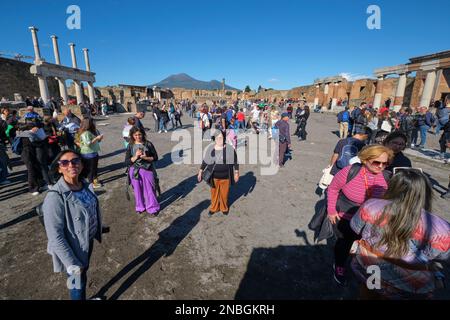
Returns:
(262, 250)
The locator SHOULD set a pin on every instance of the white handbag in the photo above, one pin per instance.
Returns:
(326, 178)
(386, 126)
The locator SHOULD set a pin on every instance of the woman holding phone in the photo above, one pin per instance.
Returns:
(140, 157)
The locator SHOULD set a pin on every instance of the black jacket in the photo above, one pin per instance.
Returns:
(151, 152)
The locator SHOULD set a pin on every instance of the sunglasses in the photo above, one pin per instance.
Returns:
(65, 163)
(379, 163)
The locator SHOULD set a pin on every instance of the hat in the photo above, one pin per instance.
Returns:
(284, 114)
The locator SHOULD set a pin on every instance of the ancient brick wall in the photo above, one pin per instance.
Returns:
(15, 77)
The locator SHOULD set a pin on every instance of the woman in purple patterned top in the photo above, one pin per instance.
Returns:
(403, 239)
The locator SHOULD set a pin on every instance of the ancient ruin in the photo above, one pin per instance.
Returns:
(43, 70)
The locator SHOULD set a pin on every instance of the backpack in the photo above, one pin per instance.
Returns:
(348, 151)
(17, 146)
(229, 115)
(345, 116)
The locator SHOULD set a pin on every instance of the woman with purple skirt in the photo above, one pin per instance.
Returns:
(140, 156)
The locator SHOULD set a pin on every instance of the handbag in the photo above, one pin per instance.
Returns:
(207, 175)
(326, 178)
(386, 126)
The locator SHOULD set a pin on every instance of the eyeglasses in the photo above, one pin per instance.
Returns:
(379, 163)
(65, 163)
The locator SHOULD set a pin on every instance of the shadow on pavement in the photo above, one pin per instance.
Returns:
(245, 186)
(30, 214)
(292, 273)
(168, 241)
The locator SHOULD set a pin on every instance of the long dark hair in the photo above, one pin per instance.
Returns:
(135, 129)
(394, 135)
(409, 193)
(87, 124)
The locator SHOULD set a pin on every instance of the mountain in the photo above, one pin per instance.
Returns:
(185, 81)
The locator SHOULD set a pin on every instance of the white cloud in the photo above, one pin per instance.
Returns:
(353, 76)
(274, 80)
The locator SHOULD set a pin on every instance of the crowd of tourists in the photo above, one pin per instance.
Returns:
(378, 206)
(416, 124)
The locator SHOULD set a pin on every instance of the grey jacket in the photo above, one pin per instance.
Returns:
(67, 227)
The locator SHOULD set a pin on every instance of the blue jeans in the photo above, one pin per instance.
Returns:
(423, 134)
(162, 124)
(80, 292)
(241, 125)
(439, 126)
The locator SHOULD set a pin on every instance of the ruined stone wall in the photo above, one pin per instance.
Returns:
(15, 77)
(443, 87)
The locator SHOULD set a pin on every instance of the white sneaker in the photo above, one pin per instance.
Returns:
(36, 193)
(159, 131)
(165, 131)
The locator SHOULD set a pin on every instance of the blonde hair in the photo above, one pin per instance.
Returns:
(374, 151)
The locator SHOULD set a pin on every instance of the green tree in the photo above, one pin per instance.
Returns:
(247, 89)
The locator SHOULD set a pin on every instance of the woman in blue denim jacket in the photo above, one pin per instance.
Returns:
(72, 221)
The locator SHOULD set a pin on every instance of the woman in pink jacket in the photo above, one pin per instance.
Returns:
(350, 188)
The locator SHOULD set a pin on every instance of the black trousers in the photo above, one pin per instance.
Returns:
(42, 162)
(345, 238)
(90, 169)
(443, 141)
(33, 171)
(302, 132)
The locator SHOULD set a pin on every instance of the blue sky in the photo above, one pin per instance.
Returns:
(279, 44)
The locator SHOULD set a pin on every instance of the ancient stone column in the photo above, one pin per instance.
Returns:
(74, 57)
(61, 81)
(400, 92)
(43, 88)
(428, 89)
(90, 84)
(335, 95)
(56, 49)
(378, 93)
(316, 99)
(37, 52)
(78, 90)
